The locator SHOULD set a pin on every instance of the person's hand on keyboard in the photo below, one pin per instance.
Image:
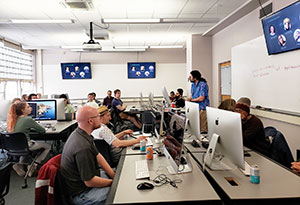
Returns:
(126, 132)
(141, 138)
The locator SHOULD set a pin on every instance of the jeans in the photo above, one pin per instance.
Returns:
(93, 196)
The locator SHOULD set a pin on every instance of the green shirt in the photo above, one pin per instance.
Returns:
(69, 109)
(27, 125)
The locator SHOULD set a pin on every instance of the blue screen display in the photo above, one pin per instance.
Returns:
(282, 29)
(141, 70)
(76, 70)
(43, 109)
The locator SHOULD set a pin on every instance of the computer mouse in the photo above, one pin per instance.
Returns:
(145, 186)
(53, 128)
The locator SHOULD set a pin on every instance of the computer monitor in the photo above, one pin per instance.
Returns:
(173, 145)
(151, 100)
(43, 109)
(192, 127)
(226, 141)
(60, 109)
(4, 108)
(166, 97)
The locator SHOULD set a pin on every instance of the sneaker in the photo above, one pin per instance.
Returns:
(19, 169)
(32, 171)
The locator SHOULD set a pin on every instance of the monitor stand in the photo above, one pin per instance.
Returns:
(187, 137)
(210, 159)
(173, 168)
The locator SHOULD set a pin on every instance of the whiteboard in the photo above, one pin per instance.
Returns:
(269, 81)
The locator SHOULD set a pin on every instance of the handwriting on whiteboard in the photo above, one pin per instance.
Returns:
(291, 67)
(265, 71)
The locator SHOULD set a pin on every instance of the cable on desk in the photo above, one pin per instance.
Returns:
(163, 179)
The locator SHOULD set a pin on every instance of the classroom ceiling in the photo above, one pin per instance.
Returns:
(199, 14)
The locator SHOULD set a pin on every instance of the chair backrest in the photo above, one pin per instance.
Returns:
(4, 179)
(60, 194)
(15, 143)
(280, 150)
(104, 149)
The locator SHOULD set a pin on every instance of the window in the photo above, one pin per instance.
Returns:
(16, 73)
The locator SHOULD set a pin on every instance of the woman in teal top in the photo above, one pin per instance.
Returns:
(68, 107)
(18, 121)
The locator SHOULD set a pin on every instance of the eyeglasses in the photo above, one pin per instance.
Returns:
(95, 116)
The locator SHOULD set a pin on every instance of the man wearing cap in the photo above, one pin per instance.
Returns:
(115, 141)
(80, 162)
(253, 129)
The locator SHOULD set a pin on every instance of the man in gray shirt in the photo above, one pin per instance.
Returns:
(80, 161)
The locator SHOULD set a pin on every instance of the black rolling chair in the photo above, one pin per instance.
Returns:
(17, 146)
(4, 181)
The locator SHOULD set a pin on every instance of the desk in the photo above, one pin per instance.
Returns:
(130, 151)
(277, 183)
(62, 132)
(201, 149)
(194, 186)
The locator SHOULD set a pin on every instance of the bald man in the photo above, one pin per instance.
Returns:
(80, 161)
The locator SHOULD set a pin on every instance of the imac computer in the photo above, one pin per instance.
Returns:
(60, 109)
(225, 149)
(4, 108)
(43, 110)
(141, 101)
(151, 100)
(173, 146)
(166, 97)
(192, 126)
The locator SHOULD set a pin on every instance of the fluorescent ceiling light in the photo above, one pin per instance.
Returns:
(131, 47)
(161, 20)
(71, 47)
(130, 21)
(31, 21)
(39, 47)
(166, 46)
(1, 44)
(110, 50)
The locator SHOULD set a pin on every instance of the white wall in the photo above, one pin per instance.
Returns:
(247, 28)
(109, 71)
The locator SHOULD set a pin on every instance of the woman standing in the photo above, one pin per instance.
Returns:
(18, 121)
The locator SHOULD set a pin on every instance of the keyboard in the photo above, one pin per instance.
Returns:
(141, 169)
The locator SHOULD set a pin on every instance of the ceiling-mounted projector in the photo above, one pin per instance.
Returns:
(91, 44)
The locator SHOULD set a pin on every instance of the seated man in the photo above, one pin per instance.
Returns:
(91, 100)
(115, 141)
(179, 101)
(80, 161)
(172, 96)
(108, 99)
(252, 127)
(117, 104)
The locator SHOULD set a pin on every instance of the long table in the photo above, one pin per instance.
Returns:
(194, 188)
(277, 184)
(61, 132)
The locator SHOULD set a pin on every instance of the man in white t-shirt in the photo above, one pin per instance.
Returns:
(115, 141)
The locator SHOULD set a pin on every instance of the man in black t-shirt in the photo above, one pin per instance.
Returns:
(252, 127)
(179, 101)
(80, 162)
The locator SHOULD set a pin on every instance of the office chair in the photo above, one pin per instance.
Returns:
(17, 146)
(280, 150)
(104, 149)
(4, 181)
(148, 121)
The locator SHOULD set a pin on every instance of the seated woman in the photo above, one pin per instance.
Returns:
(228, 104)
(252, 128)
(18, 121)
(117, 104)
(68, 107)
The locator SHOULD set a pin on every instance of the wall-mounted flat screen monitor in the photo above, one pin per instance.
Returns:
(141, 69)
(282, 29)
(76, 70)
(43, 109)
